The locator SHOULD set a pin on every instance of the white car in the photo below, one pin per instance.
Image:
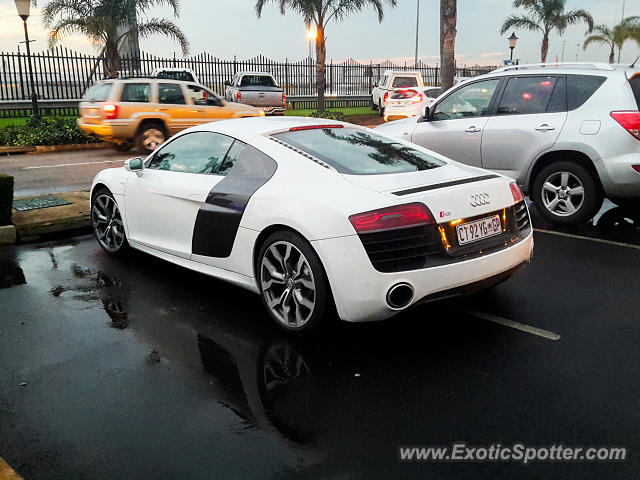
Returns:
(409, 102)
(312, 214)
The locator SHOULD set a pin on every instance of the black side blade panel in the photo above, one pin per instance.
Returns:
(219, 218)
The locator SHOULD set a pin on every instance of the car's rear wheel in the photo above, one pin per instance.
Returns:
(292, 281)
(380, 108)
(107, 223)
(149, 137)
(565, 193)
(373, 104)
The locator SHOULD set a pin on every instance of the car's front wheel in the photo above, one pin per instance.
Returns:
(565, 193)
(107, 223)
(292, 281)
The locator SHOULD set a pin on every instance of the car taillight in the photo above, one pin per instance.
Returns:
(386, 96)
(401, 216)
(417, 98)
(284, 100)
(630, 121)
(636, 168)
(315, 127)
(516, 192)
(238, 96)
(110, 111)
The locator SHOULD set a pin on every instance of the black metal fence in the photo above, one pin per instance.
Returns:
(60, 73)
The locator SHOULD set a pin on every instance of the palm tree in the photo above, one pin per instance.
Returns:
(320, 13)
(107, 24)
(448, 18)
(627, 29)
(545, 16)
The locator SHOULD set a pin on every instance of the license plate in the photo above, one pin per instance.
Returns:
(479, 229)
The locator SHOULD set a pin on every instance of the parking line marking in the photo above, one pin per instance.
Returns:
(71, 164)
(7, 473)
(511, 324)
(582, 237)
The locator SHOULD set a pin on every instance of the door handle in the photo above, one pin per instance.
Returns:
(163, 108)
(544, 127)
(473, 129)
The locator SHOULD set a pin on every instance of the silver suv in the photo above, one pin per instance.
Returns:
(568, 133)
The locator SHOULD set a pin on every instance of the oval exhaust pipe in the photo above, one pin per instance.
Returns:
(400, 296)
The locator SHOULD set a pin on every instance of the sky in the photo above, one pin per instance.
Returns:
(225, 28)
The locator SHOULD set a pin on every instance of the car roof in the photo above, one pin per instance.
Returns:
(247, 128)
(402, 72)
(254, 73)
(581, 68)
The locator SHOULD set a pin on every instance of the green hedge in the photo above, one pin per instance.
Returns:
(44, 131)
(6, 199)
(332, 115)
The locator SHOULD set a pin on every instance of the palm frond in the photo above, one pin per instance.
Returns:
(162, 26)
(520, 21)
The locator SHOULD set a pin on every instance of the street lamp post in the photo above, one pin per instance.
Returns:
(512, 43)
(417, 25)
(23, 7)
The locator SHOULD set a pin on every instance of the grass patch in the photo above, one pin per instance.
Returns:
(347, 111)
(5, 122)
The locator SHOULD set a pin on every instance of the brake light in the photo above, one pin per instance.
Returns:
(636, 168)
(314, 127)
(110, 111)
(386, 97)
(516, 192)
(391, 218)
(417, 98)
(546, 83)
(238, 96)
(630, 121)
(284, 100)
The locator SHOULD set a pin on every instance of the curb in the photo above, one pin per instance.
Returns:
(54, 148)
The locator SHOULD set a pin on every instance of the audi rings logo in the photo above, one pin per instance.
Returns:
(479, 199)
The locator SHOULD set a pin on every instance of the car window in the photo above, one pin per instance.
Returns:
(135, 92)
(98, 92)
(404, 82)
(526, 95)
(230, 159)
(257, 81)
(433, 92)
(469, 101)
(558, 102)
(170, 93)
(358, 152)
(580, 88)
(198, 152)
(202, 96)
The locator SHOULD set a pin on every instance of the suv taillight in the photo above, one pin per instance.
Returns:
(110, 111)
(386, 97)
(516, 192)
(238, 96)
(284, 100)
(401, 216)
(629, 120)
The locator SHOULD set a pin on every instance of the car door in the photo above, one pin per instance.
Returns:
(206, 105)
(171, 101)
(458, 120)
(162, 202)
(529, 117)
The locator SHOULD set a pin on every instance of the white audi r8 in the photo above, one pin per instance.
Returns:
(315, 214)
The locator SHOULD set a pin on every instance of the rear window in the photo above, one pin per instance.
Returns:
(257, 81)
(135, 92)
(635, 87)
(580, 88)
(404, 82)
(433, 92)
(357, 152)
(98, 92)
(183, 76)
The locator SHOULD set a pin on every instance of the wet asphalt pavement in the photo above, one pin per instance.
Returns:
(135, 368)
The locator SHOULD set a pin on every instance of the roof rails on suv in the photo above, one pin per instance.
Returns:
(577, 65)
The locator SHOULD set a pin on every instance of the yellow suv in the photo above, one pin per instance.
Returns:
(147, 111)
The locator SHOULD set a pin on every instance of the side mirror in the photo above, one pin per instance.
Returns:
(426, 113)
(227, 83)
(134, 165)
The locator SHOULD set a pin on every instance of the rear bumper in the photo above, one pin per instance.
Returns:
(273, 110)
(395, 112)
(107, 132)
(618, 177)
(360, 290)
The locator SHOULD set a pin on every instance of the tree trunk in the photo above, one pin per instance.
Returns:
(544, 48)
(321, 58)
(111, 61)
(612, 57)
(448, 16)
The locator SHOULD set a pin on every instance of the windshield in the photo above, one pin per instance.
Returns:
(98, 92)
(257, 81)
(357, 152)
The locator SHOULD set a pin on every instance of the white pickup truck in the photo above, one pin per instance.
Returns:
(403, 92)
(258, 89)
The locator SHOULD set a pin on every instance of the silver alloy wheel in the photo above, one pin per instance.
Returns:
(562, 194)
(107, 223)
(152, 138)
(287, 284)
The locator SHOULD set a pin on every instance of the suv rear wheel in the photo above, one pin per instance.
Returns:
(565, 193)
(149, 137)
